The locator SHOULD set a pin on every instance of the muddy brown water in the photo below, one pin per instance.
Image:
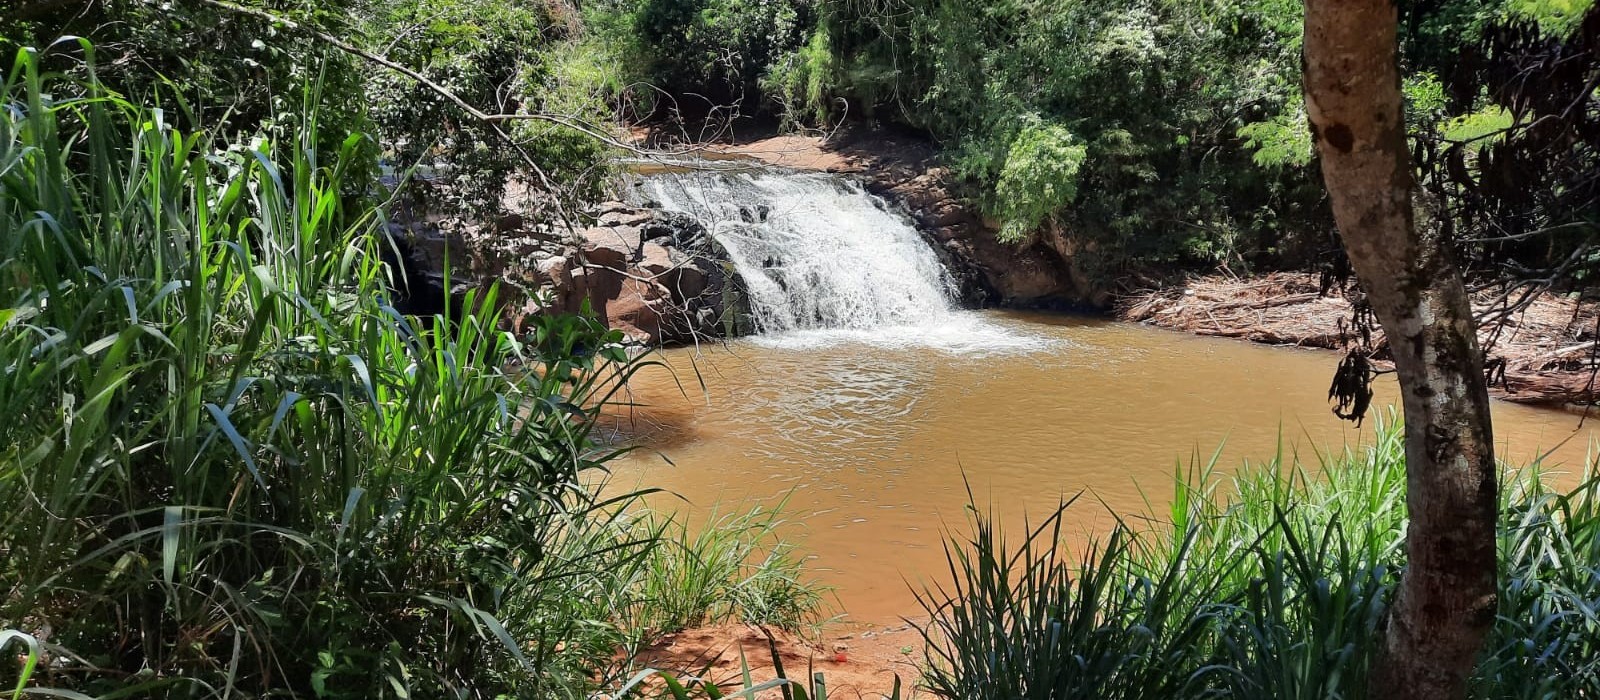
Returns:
(876, 445)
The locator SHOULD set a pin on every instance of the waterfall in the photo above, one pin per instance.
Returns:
(824, 261)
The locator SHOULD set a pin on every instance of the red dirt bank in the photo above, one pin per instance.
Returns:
(863, 664)
(1548, 347)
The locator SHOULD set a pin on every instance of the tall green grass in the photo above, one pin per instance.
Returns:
(735, 567)
(228, 467)
(1268, 584)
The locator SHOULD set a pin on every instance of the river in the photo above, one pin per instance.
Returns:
(875, 446)
(873, 406)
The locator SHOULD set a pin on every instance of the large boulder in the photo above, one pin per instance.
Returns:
(611, 246)
(655, 259)
(654, 274)
(638, 309)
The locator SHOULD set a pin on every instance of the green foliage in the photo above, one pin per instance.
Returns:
(1154, 94)
(1039, 178)
(1283, 141)
(1197, 150)
(225, 72)
(1499, 108)
(29, 659)
(736, 567)
(229, 467)
(1425, 99)
(1269, 584)
(504, 57)
(1483, 127)
(706, 54)
(1555, 18)
(239, 75)
(802, 82)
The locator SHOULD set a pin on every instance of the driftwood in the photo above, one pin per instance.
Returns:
(1547, 388)
(1547, 348)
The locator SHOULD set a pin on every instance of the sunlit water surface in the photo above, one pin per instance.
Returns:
(875, 438)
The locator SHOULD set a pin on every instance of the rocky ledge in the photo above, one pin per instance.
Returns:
(657, 276)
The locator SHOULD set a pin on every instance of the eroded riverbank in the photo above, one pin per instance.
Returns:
(1545, 348)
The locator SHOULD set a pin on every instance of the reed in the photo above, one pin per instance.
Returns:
(737, 567)
(228, 466)
(1270, 583)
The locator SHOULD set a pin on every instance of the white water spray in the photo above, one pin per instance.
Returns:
(824, 261)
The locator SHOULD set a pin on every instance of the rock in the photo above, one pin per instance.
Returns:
(601, 283)
(655, 259)
(508, 222)
(653, 274)
(946, 213)
(611, 247)
(637, 310)
(570, 300)
(556, 271)
(688, 281)
(612, 206)
(631, 217)
(684, 230)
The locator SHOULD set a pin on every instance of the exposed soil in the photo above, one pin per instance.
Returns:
(1548, 348)
(860, 663)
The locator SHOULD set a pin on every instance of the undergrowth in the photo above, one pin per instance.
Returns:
(229, 466)
(1270, 583)
(736, 567)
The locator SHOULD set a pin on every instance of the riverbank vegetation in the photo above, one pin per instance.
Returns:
(1175, 132)
(1269, 583)
(1148, 136)
(231, 468)
(1132, 137)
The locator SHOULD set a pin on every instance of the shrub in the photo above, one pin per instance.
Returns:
(706, 54)
(1039, 178)
(229, 466)
(231, 74)
(505, 58)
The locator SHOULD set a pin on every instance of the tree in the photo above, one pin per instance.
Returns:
(1446, 599)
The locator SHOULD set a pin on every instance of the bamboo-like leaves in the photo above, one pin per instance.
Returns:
(221, 439)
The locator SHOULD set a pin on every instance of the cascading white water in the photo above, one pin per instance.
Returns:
(824, 261)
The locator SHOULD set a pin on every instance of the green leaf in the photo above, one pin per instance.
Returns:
(171, 530)
(240, 445)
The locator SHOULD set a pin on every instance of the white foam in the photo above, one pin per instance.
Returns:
(825, 263)
(963, 333)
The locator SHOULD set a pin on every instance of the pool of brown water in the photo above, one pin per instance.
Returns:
(875, 442)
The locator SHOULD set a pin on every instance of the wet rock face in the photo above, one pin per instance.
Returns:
(908, 171)
(990, 272)
(655, 275)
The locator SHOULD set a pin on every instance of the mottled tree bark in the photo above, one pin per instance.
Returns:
(1446, 600)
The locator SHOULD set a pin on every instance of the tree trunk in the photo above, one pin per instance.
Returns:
(1446, 600)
